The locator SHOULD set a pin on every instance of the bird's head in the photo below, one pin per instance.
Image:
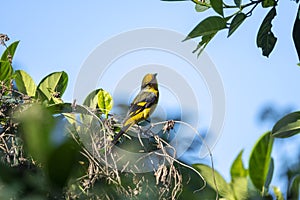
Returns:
(150, 80)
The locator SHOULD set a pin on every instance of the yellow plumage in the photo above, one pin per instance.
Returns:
(142, 106)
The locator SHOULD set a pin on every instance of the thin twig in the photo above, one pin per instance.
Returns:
(208, 149)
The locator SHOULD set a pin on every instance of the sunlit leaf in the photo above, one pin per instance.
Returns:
(236, 22)
(223, 187)
(208, 26)
(105, 102)
(92, 99)
(237, 168)
(239, 180)
(260, 160)
(239, 186)
(287, 126)
(217, 5)
(52, 86)
(201, 8)
(278, 193)
(11, 49)
(25, 83)
(265, 37)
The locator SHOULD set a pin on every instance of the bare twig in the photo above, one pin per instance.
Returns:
(207, 147)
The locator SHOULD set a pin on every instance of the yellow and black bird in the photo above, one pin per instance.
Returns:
(142, 106)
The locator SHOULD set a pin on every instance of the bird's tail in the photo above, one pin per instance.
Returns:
(121, 132)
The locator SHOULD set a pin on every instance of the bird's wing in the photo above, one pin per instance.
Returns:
(139, 110)
(144, 99)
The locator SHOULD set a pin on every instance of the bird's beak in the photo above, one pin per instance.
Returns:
(155, 74)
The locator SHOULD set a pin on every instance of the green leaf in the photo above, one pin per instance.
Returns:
(25, 83)
(217, 5)
(296, 35)
(287, 126)
(202, 7)
(237, 168)
(293, 192)
(105, 101)
(269, 44)
(92, 99)
(6, 71)
(240, 188)
(60, 108)
(270, 174)
(268, 3)
(203, 43)
(67, 108)
(37, 124)
(52, 85)
(265, 37)
(260, 160)
(208, 26)
(238, 3)
(69, 111)
(239, 180)
(11, 49)
(236, 22)
(207, 173)
(191, 183)
(61, 163)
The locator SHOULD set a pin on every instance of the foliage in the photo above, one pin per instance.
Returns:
(288, 126)
(252, 183)
(296, 30)
(238, 13)
(50, 149)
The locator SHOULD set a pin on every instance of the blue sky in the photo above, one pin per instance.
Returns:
(59, 35)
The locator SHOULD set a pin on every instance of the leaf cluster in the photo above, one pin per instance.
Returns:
(51, 149)
(231, 17)
(44, 154)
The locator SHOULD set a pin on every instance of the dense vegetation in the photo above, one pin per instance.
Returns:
(51, 149)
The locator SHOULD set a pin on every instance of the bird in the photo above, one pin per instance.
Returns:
(142, 106)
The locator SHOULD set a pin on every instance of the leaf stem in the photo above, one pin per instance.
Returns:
(243, 6)
(251, 3)
(248, 14)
